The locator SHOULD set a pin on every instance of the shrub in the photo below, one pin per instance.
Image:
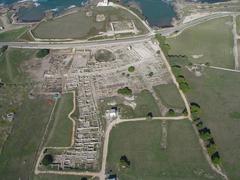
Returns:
(131, 69)
(48, 159)
(125, 91)
(216, 158)
(124, 162)
(42, 53)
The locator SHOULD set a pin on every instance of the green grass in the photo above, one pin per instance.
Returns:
(19, 152)
(140, 142)
(76, 25)
(145, 104)
(79, 26)
(212, 40)
(170, 96)
(10, 65)
(26, 37)
(238, 24)
(56, 177)
(61, 131)
(217, 92)
(12, 35)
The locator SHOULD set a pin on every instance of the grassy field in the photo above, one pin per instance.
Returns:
(140, 142)
(217, 92)
(11, 96)
(238, 24)
(10, 61)
(145, 104)
(80, 26)
(12, 35)
(61, 129)
(170, 96)
(238, 43)
(209, 42)
(57, 177)
(19, 152)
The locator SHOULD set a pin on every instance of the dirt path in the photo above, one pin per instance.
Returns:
(36, 171)
(39, 151)
(235, 47)
(219, 68)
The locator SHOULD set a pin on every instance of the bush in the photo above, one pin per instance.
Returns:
(216, 158)
(150, 74)
(3, 49)
(125, 91)
(42, 53)
(212, 149)
(131, 69)
(195, 110)
(171, 112)
(124, 162)
(48, 159)
(162, 43)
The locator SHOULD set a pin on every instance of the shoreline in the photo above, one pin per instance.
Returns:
(14, 9)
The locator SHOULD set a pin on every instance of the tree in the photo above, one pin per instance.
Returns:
(83, 178)
(131, 69)
(216, 158)
(48, 159)
(42, 53)
(171, 112)
(195, 110)
(3, 49)
(207, 63)
(124, 162)
(150, 115)
(150, 74)
(125, 91)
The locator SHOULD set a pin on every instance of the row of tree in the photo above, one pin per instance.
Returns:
(182, 59)
(205, 134)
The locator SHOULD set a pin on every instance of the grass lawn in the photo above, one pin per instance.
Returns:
(217, 92)
(57, 177)
(238, 24)
(80, 26)
(19, 152)
(238, 43)
(140, 142)
(170, 96)
(210, 42)
(61, 128)
(12, 35)
(10, 61)
(145, 104)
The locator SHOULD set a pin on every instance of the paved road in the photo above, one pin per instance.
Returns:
(169, 31)
(76, 44)
(90, 44)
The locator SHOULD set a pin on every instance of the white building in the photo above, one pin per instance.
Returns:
(111, 114)
(103, 3)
